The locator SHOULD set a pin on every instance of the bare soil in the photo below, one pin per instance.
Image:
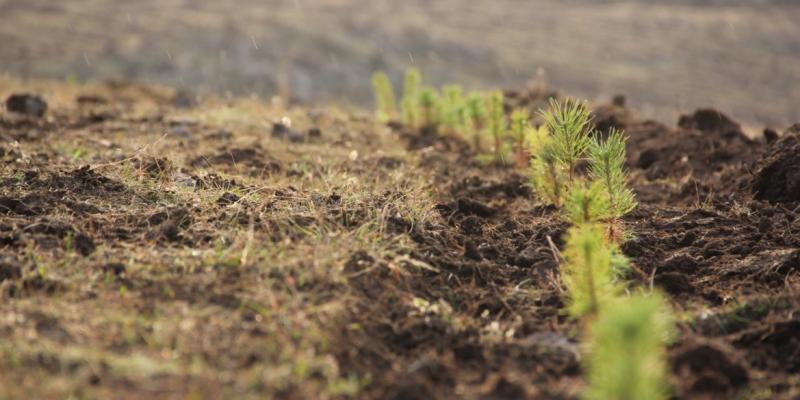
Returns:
(216, 251)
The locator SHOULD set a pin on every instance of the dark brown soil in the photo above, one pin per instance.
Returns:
(248, 265)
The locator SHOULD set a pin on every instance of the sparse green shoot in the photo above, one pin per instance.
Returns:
(473, 119)
(520, 130)
(410, 102)
(452, 102)
(385, 104)
(428, 106)
(497, 125)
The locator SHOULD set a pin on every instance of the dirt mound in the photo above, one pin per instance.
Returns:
(777, 178)
(612, 115)
(707, 155)
(711, 121)
(707, 369)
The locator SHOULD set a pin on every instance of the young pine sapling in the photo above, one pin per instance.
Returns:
(428, 107)
(385, 107)
(547, 177)
(626, 356)
(520, 129)
(569, 123)
(607, 167)
(586, 203)
(588, 272)
(473, 119)
(496, 124)
(409, 105)
(452, 104)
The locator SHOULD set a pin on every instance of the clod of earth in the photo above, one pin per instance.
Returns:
(777, 178)
(26, 104)
(283, 131)
(711, 121)
(9, 271)
(708, 369)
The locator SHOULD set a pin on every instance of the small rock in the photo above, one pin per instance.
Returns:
(227, 198)
(184, 99)
(777, 177)
(471, 251)
(526, 257)
(184, 179)
(764, 224)
(114, 268)
(680, 263)
(647, 158)
(688, 239)
(700, 364)
(472, 207)
(674, 282)
(712, 250)
(26, 104)
(221, 134)
(84, 244)
(283, 131)
(9, 271)
(182, 131)
(9, 205)
(314, 133)
(472, 225)
(770, 135)
(711, 121)
(88, 99)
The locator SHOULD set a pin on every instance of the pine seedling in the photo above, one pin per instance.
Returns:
(586, 203)
(587, 272)
(410, 103)
(473, 119)
(428, 106)
(607, 166)
(626, 356)
(496, 124)
(547, 177)
(452, 103)
(520, 129)
(569, 123)
(385, 105)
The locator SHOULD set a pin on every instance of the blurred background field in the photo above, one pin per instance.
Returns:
(667, 57)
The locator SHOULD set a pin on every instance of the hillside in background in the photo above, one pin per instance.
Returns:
(667, 57)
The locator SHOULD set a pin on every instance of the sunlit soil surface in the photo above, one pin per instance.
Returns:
(155, 247)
